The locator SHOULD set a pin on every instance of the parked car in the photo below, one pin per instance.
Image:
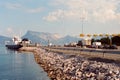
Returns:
(100, 47)
(106, 46)
(110, 47)
(113, 47)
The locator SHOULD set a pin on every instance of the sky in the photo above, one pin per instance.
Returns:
(65, 17)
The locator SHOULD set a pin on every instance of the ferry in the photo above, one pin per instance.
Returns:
(15, 44)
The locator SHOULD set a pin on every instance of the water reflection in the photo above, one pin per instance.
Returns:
(19, 66)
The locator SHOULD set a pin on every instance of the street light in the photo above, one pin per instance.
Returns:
(107, 35)
(118, 35)
(101, 35)
(88, 35)
(113, 35)
(82, 35)
(95, 35)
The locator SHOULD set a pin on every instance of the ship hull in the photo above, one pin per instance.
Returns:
(14, 47)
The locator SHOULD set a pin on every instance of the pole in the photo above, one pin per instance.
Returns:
(110, 40)
(48, 42)
(82, 25)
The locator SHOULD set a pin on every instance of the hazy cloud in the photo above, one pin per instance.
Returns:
(9, 30)
(54, 16)
(23, 8)
(35, 10)
(97, 10)
(13, 5)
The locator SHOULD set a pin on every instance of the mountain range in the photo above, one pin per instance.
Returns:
(44, 38)
(3, 39)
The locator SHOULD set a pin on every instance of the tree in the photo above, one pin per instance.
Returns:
(105, 40)
(92, 40)
(97, 40)
(116, 40)
(80, 43)
(25, 39)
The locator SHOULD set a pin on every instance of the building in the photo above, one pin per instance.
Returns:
(25, 42)
(86, 42)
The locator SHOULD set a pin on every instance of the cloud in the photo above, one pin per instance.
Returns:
(54, 16)
(23, 8)
(9, 30)
(57, 2)
(35, 10)
(61, 14)
(97, 10)
(50, 18)
(13, 5)
(106, 15)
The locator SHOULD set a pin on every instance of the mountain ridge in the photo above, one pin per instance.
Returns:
(3, 39)
(44, 38)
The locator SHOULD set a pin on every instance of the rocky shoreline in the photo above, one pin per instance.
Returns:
(61, 66)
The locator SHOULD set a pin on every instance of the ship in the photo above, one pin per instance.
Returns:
(14, 44)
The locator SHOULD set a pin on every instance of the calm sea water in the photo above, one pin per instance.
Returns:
(19, 66)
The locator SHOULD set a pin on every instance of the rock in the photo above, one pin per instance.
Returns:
(116, 71)
(92, 74)
(78, 74)
(72, 67)
(101, 76)
(88, 75)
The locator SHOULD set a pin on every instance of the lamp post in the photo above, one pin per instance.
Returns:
(82, 17)
(82, 25)
(95, 35)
